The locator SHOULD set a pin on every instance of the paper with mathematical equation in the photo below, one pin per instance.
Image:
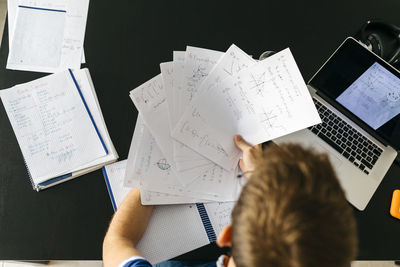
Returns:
(262, 102)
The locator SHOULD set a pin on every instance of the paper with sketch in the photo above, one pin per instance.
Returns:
(231, 63)
(265, 101)
(184, 157)
(197, 64)
(48, 36)
(52, 126)
(154, 172)
(151, 171)
(132, 179)
(190, 159)
(150, 99)
(202, 138)
(114, 175)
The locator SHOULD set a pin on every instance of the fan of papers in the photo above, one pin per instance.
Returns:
(182, 149)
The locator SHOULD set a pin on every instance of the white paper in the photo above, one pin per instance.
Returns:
(48, 37)
(193, 129)
(150, 99)
(52, 126)
(12, 6)
(198, 64)
(265, 101)
(167, 72)
(132, 179)
(191, 159)
(36, 43)
(184, 157)
(154, 172)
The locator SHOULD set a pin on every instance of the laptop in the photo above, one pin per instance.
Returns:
(357, 95)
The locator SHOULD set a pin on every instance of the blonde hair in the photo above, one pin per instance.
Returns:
(293, 213)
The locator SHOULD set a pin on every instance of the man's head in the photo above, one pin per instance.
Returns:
(292, 212)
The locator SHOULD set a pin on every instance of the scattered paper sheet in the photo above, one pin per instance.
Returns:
(132, 179)
(192, 129)
(47, 36)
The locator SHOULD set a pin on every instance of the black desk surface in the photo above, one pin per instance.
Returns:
(125, 42)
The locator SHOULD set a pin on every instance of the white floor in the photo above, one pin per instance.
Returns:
(3, 11)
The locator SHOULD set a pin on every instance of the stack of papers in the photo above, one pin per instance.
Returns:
(59, 127)
(46, 35)
(183, 148)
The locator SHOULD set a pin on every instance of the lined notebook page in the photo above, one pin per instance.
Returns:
(52, 126)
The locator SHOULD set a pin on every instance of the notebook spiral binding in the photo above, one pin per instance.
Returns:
(30, 176)
(206, 223)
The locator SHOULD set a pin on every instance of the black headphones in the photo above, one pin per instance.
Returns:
(371, 36)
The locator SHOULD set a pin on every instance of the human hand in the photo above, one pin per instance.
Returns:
(250, 154)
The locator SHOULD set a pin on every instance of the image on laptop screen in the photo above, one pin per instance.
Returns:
(374, 97)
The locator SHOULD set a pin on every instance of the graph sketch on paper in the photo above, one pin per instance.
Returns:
(198, 64)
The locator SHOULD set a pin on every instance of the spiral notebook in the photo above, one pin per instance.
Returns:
(173, 229)
(59, 127)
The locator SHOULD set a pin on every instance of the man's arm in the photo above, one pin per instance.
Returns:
(126, 229)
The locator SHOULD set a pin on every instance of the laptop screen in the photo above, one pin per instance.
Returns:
(364, 85)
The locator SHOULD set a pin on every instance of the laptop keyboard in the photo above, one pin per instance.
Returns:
(349, 142)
